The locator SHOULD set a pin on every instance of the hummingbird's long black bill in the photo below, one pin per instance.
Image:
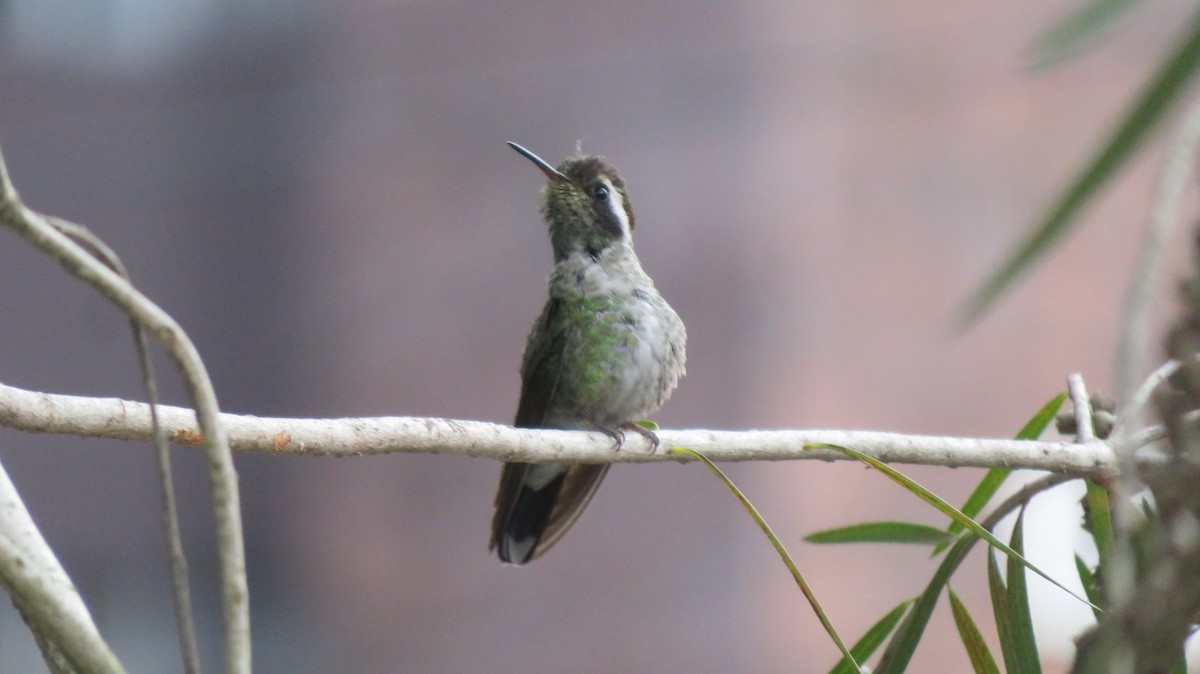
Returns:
(546, 168)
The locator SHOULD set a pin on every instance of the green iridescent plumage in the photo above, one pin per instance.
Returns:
(606, 351)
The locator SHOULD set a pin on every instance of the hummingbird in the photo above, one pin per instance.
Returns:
(606, 351)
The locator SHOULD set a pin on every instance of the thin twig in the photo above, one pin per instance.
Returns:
(181, 590)
(1085, 429)
(189, 649)
(227, 511)
(1133, 334)
(1133, 350)
(1126, 442)
(1131, 410)
(1022, 496)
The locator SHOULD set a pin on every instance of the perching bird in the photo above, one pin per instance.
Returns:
(606, 351)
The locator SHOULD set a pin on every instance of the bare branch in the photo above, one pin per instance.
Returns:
(34, 228)
(44, 593)
(1133, 337)
(128, 420)
(181, 589)
(1083, 408)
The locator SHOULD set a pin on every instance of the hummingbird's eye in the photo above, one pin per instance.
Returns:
(599, 192)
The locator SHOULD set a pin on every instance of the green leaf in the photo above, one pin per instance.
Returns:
(1148, 109)
(864, 647)
(1010, 606)
(999, 595)
(1032, 430)
(983, 493)
(1078, 30)
(977, 650)
(1090, 586)
(1020, 624)
(904, 642)
(882, 532)
(1100, 523)
(947, 509)
(647, 424)
(979, 498)
(779, 548)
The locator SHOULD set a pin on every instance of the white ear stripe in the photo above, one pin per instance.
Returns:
(616, 201)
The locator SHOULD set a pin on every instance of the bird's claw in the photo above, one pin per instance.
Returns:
(651, 436)
(618, 435)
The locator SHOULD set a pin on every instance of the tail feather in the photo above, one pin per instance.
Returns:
(527, 520)
(537, 504)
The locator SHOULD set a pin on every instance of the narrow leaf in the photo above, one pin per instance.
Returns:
(904, 642)
(1078, 30)
(947, 509)
(979, 498)
(1032, 430)
(999, 595)
(1090, 587)
(882, 532)
(864, 647)
(779, 548)
(1100, 522)
(977, 650)
(1020, 624)
(1148, 109)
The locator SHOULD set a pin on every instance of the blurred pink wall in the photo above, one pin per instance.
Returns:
(323, 197)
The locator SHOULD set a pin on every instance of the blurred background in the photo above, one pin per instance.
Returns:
(320, 193)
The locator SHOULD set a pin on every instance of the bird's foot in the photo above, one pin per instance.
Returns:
(618, 434)
(651, 436)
